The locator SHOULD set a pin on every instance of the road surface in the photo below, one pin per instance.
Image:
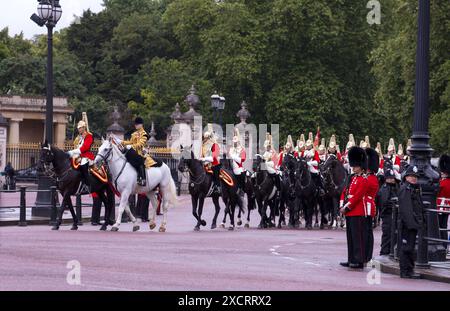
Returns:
(36, 258)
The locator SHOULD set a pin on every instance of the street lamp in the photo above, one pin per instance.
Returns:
(215, 102)
(421, 150)
(49, 13)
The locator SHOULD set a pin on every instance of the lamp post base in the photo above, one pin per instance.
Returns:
(43, 206)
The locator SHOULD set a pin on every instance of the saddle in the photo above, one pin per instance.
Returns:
(98, 172)
(223, 175)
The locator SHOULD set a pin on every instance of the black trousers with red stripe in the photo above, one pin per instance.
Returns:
(356, 239)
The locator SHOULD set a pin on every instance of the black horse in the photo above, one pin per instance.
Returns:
(306, 191)
(288, 194)
(265, 193)
(334, 177)
(67, 182)
(230, 195)
(199, 186)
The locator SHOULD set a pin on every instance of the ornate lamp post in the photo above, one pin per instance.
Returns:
(215, 102)
(420, 150)
(49, 13)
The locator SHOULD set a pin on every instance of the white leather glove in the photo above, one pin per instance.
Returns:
(128, 147)
(207, 159)
(236, 158)
(74, 152)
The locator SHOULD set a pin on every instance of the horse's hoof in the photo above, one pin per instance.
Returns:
(197, 228)
(55, 228)
(321, 227)
(213, 226)
(115, 229)
(222, 225)
(74, 227)
(239, 222)
(309, 227)
(103, 228)
(162, 229)
(152, 226)
(203, 222)
(230, 228)
(136, 228)
(283, 223)
(316, 225)
(247, 226)
(271, 225)
(279, 226)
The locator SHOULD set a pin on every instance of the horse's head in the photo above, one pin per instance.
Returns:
(257, 163)
(302, 165)
(46, 157)
(105, 150)
(289, 162)
(329, 164)
(186, 155)
(388, 165)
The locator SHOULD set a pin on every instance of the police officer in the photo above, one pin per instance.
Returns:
(410, 212)
(388, 196)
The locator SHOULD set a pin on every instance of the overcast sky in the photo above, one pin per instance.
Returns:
(16, 14)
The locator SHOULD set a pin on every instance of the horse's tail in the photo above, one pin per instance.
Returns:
(172, 189)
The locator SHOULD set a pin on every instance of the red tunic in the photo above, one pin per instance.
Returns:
(371, 193)
(443, 197)
(356, 193)
(215, 154)
(315, 158)
(85, 148)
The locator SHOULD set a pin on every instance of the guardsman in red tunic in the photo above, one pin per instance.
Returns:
(211, 156)
(300, 146)
(288, 148)
(393, 158)
(352, 206)
(443, 197)
(369, 199)
(322, 151)
(238, 155)
(312, 157)
(82, 144)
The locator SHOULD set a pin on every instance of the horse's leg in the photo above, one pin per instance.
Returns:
(232, 209)
(216, 214)
(194, 200)
(201, 201)
(153, 207)
(262, 214)
(59, 214)
(123, 202)
(72, 211)
(133, 219)
(165, 208)
(241, 207)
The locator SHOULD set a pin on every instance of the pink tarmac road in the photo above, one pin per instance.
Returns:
(35, 258)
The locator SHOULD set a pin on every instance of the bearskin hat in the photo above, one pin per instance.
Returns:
(444, 163)
(357, 157)
(373, 160)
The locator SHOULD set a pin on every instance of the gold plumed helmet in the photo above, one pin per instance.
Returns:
(237, 136)
(400, 149)
(209, 134)
(391, 146)
(83, 122)
(332, 144)
(310, 140)
(268, 141)
(351, 142)
(409, 144)
(289, 143)
(322, 147)
(367, 141)
(362, 144)
(379, 150)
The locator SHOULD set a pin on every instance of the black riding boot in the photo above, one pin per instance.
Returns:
(216, 178)
(142, 176)
(277, 182)
(84, 170)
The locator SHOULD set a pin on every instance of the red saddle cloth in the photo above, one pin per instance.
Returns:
(223, 175)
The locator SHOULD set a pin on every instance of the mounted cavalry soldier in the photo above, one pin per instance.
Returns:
(322, 150)
(82, 153)
(391, 156)
(365, 143)
(332, 148)
(443, 197)
(211, 156)
(300, 145)
(351, 143)
(312, 157)
(352, 206)
(270, 158)
(288, 149)
(238, 155)
(135, 150)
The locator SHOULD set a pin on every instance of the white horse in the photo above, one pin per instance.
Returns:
(124, 178)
